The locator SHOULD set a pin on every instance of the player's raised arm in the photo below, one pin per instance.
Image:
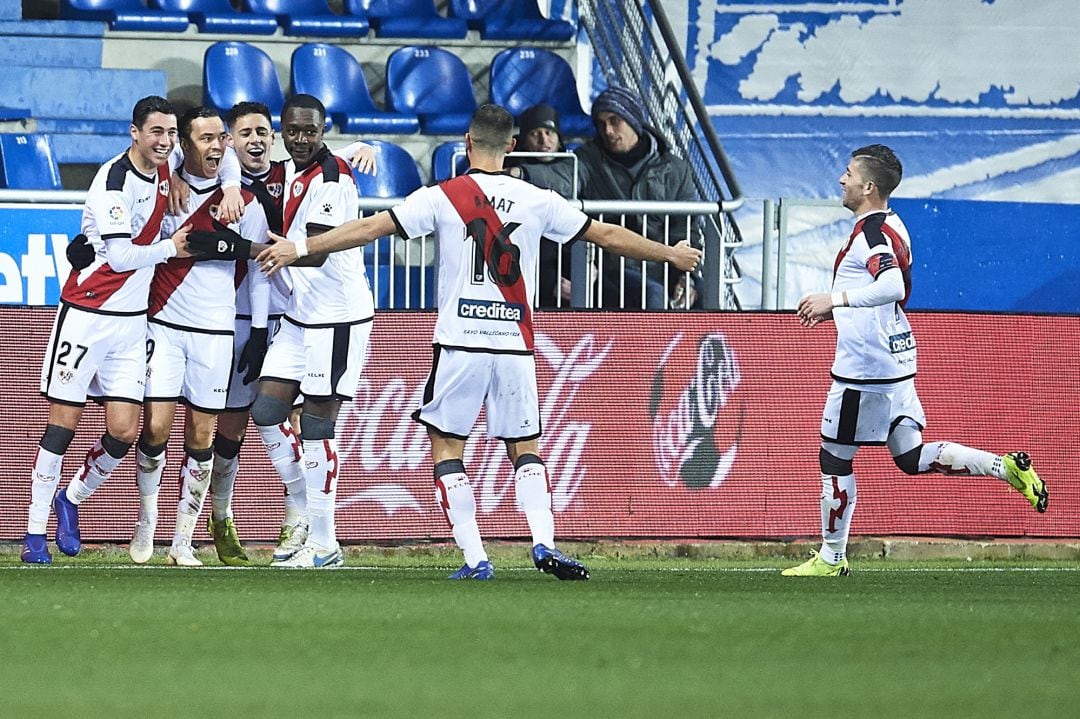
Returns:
(627, 243)
(354, 233)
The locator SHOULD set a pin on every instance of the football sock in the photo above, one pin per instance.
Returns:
(320, 475)
(952, 458)
(837, 507)
(47, 466)
(534, 498)
(284, 449)
(149, 464)
(99, 464)
(454, 494)
(194, 481)
(223, 477)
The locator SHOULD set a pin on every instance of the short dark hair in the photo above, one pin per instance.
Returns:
(150, 104)
(306, 102)
(491, 128)
(247, 107)
(184, 126)
(880, 165)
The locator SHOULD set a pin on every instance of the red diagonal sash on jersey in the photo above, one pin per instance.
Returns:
(294, 198)
(169, 275)
(152, 228)
(104, 281)
(471, 203)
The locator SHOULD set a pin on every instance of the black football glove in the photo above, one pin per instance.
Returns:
(220, 244)
(251, 357)
(80, 253)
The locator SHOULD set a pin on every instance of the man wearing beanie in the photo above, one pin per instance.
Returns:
(538, 131)
(628, 160)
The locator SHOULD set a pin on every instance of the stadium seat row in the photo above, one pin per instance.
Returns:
(493, 19)
(428, 89)
(27, 162)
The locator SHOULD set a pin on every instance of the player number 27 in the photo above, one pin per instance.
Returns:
(503, 260)
(65, 350)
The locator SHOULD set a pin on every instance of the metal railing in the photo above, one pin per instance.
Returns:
(402, 272)
(635, 47)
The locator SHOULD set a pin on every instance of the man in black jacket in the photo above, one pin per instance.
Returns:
(628, 160)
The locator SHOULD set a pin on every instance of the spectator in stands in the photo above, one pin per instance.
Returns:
(538, 131)
(873, 399)
(628, 160)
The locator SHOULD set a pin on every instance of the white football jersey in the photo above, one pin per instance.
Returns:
(122, 203)
(201, 295)
(268, 189)
(323, 196)
(874, 345)
(488, 228)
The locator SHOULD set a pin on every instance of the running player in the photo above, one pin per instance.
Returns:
(98, 343)
(190, 342)
(488, 226)
(873, 399)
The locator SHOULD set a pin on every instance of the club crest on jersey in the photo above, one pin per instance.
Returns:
(297, 189)
(215, 211)
(275, 189)
(65, 375)
(163, 188)
(491, 310)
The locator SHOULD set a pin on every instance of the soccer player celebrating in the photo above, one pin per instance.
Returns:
(98, 343)
(488, 226)
(321, 346)
(873, 398)
(190, 341)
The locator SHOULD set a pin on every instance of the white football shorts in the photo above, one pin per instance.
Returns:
(95, 355)
(461, 382)
(241, 396)
(189, 367)
(856, 415)
(325, 361)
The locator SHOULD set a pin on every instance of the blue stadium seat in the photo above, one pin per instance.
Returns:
(443, 164)
(13, 113)
(220, 17)
(236, 71)
(407, 18)
(510, 20)
(337, 79)
(27, 163)
(398, 173)
(527, 76)
(432, 84)
(124, 15)
(309, 17)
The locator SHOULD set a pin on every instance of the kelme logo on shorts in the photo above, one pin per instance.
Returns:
(491, 310)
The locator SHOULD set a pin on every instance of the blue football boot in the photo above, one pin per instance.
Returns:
(35, 549)
(551, 561)
(483, 570)
(67, 524)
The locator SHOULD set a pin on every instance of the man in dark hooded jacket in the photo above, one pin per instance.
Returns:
(628, 160)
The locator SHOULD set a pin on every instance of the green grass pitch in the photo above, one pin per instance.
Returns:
(389, 636)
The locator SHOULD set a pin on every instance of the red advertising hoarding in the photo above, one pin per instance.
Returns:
(655, 425)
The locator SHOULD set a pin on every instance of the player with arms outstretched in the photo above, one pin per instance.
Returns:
(873, 400)
(488, 226)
